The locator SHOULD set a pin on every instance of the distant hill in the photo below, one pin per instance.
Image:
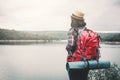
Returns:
(110, 36)
(6, 34)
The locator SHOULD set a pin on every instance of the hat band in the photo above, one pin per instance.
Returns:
(76, 17)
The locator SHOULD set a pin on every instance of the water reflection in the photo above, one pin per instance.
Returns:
(42, 61)
(33, 62)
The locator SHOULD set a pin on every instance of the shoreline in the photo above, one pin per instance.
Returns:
(109, 42)
(47, 41)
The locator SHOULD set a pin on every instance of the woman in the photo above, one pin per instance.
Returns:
(77, 27)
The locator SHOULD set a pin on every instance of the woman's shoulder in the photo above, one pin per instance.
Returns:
(72, 31)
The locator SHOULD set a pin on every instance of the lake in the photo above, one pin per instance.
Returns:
(42, 61)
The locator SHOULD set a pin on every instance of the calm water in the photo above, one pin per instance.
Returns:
(42, 61)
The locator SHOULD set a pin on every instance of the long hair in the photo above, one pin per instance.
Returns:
(78, 23)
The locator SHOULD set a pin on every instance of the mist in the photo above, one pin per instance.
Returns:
(37, 15)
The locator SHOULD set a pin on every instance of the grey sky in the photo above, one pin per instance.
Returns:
(100, 15)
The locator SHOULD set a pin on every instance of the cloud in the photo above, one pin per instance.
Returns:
(109, 19)
(55, 14)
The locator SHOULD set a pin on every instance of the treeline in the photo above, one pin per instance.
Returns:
(110, 36)
(6, 34)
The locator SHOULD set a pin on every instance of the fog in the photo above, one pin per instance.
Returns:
(102, 15)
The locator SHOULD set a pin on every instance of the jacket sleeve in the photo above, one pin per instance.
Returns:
(70, 42)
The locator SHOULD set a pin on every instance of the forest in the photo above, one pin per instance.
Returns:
(6, 34)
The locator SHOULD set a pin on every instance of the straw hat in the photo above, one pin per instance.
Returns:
(78, 15)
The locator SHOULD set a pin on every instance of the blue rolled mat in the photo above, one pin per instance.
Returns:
(91, 64)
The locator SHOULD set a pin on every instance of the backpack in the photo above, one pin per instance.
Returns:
(87, 46)
(90, 45)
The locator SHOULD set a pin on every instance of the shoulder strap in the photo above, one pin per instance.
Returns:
(81, 31)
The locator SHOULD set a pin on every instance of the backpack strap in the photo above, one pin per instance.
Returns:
(98, 50)
(78, 35)
(84, 59)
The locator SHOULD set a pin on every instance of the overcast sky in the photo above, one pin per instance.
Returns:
(100, 15)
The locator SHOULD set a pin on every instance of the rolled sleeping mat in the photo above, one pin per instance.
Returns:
(91, 64)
